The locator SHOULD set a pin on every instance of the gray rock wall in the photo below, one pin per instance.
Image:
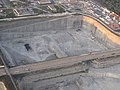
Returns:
(58, 24)
(64, 23)
(70, 22)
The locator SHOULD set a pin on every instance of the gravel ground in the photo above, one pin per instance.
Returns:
(50, 46)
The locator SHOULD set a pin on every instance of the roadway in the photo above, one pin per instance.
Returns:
(96, 10)
(64, 67)
(61, 63)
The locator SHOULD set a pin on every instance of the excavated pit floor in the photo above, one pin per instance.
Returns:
(95, 79)
(48, 45)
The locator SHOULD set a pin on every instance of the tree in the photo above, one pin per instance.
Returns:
(113, 5)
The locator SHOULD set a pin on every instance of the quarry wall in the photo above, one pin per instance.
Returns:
(65, 23)
(101, 32)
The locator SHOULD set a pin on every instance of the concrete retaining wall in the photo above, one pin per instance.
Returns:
(58, 24)
(64, 23)
(103, 35)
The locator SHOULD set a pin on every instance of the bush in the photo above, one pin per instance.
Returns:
(113, 5)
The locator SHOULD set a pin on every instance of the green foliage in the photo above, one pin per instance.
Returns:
(9, 13)
(113, 5)
(59, 9)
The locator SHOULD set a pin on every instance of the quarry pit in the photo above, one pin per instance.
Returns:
(56, 39)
